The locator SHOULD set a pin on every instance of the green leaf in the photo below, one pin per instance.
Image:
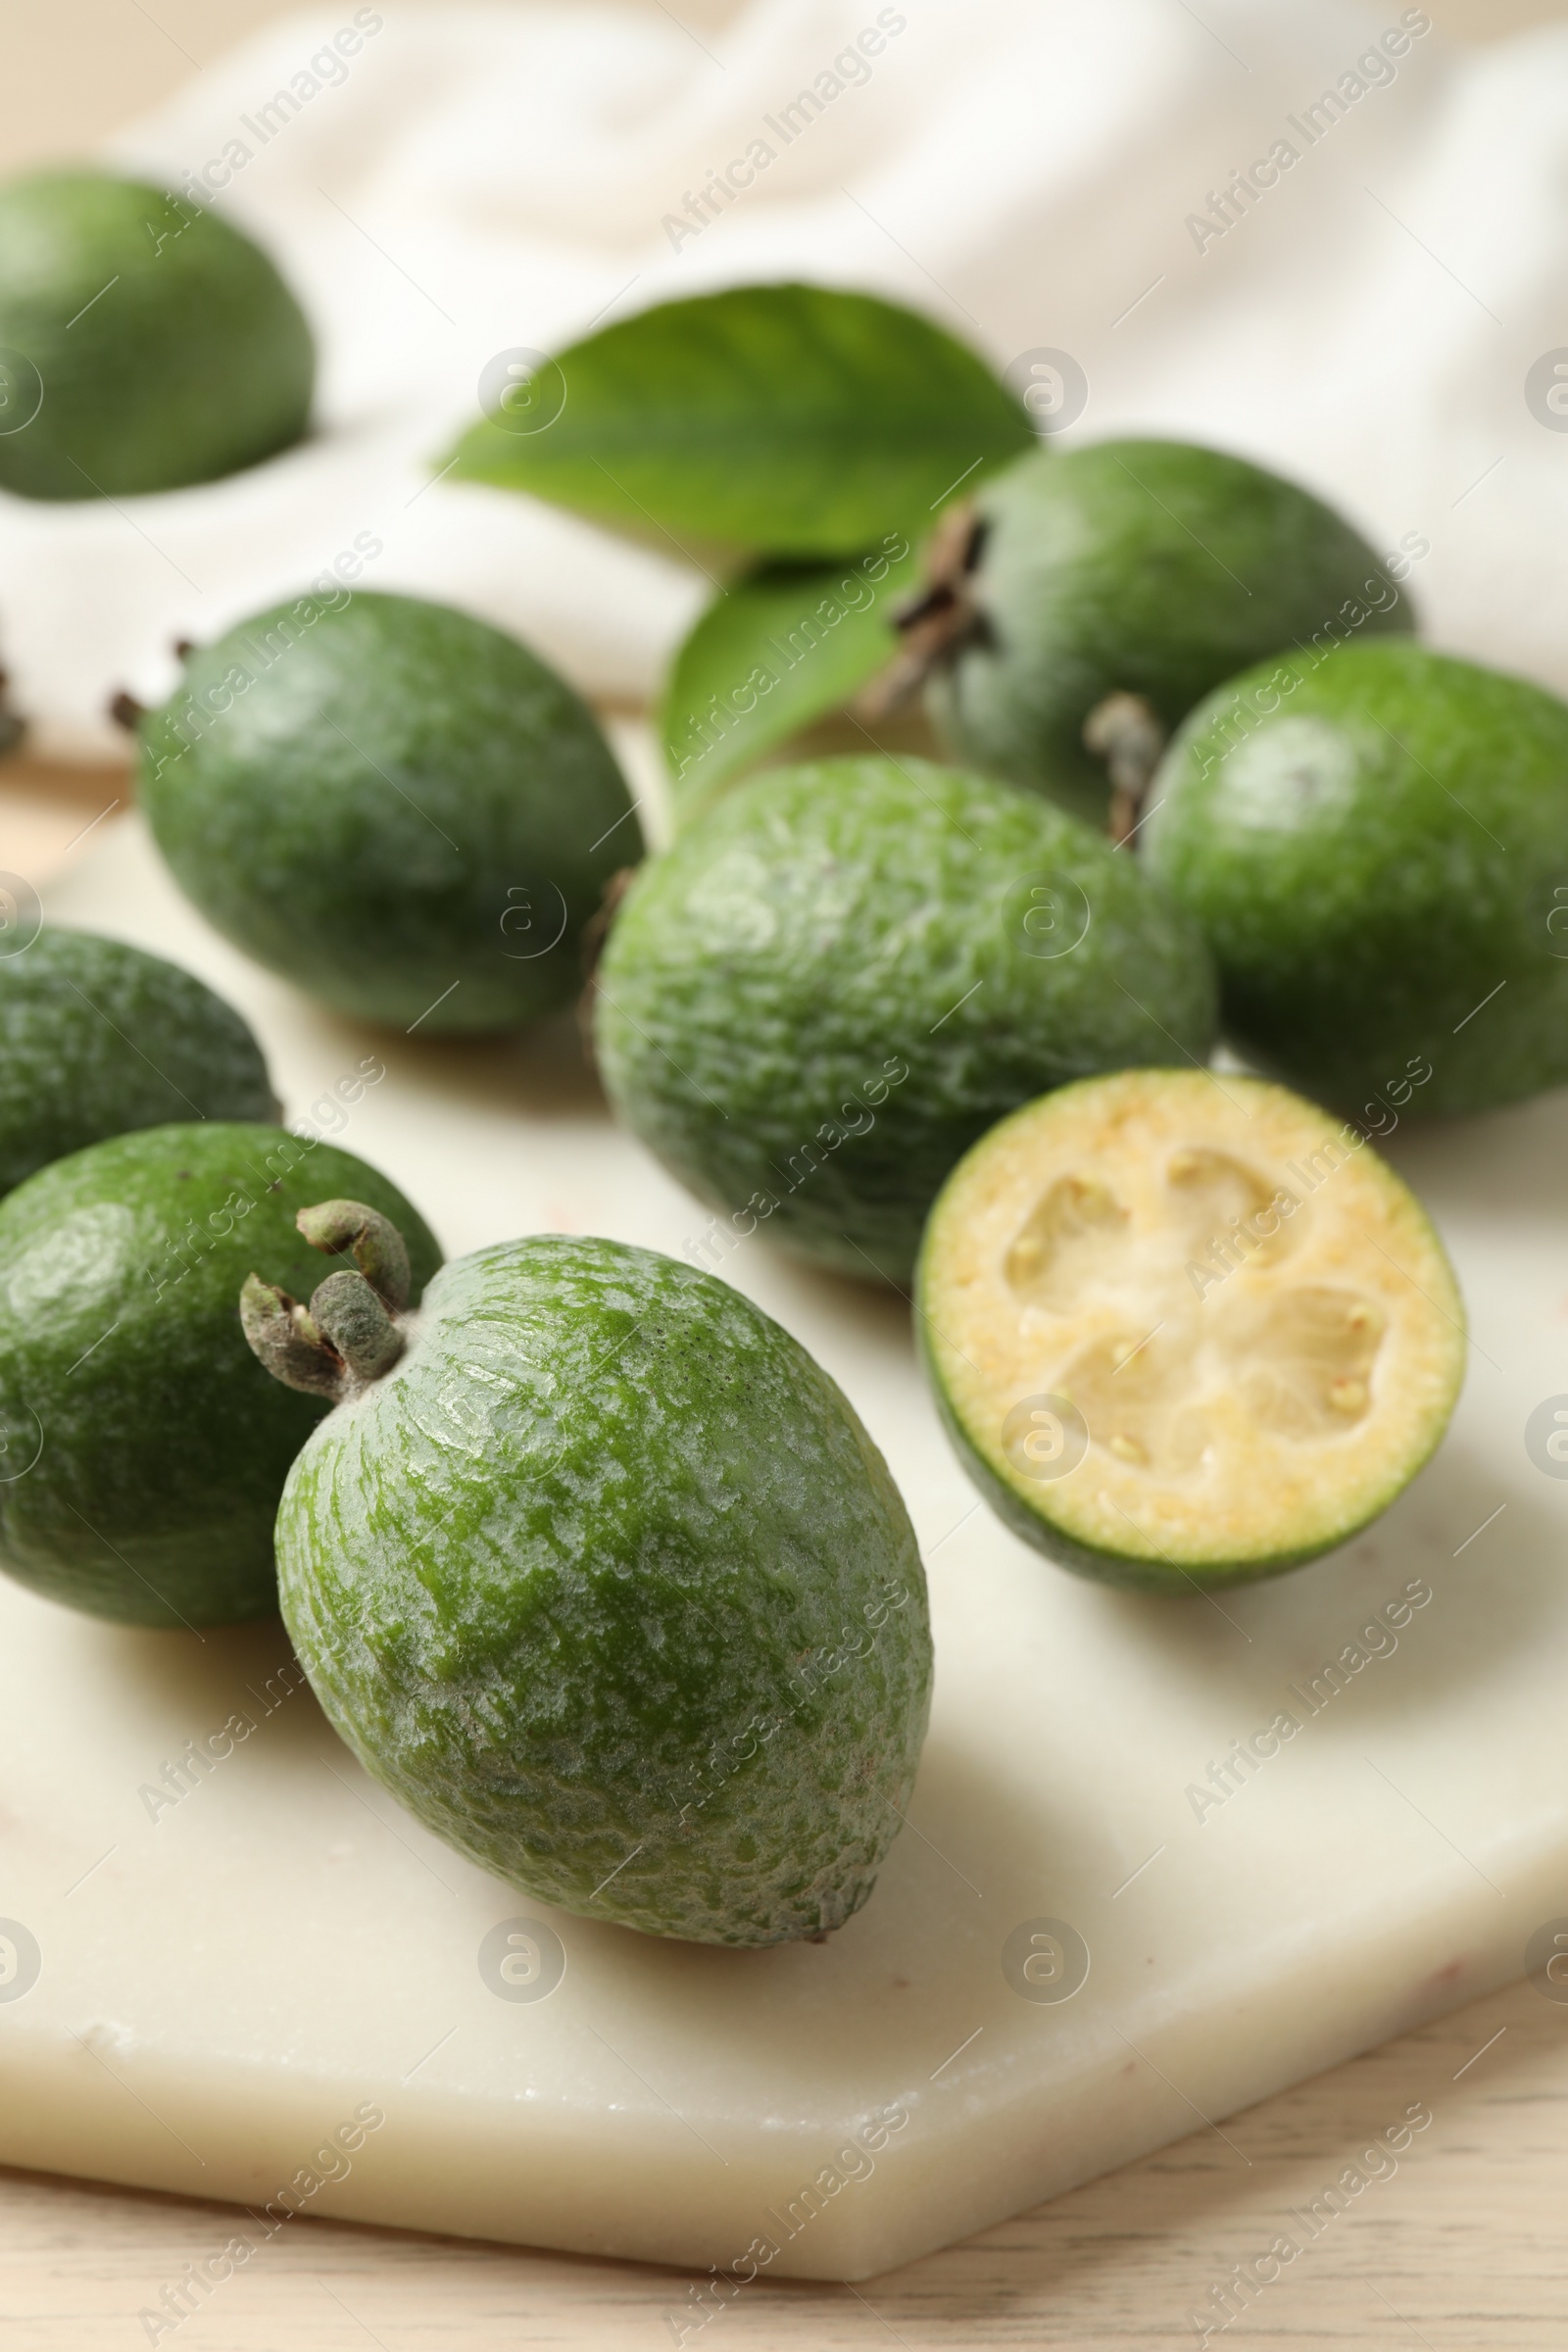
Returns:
(779, 649)
(790, 420)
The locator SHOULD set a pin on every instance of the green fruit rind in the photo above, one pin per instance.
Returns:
(1124, 1569)
(165, 345)
(607, 1584)
(1375, 849)
(142, 1447)
(97, 1038)
(844, 973)
(394, 806)
(1149, 568)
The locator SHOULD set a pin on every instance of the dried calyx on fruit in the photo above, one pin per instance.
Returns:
(348, 1336)
(936, 625)
(1125, 732)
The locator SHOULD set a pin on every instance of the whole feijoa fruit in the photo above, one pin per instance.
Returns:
(1148, 569)
(1185, 1330)
(598, 1573)
(393, 804)
(97, 1038)
(840, 975)
(1375, 849)
(142, 1447)
(144, 343)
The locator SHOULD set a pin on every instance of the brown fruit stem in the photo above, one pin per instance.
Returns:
(349, 1313)
(372, 1241)
(350, 1335)
(940, 622)
(1126, 733)
(283, 1338)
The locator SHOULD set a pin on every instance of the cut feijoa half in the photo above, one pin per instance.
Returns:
(1185, 1330)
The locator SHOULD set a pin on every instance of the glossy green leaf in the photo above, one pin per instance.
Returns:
(775, 652)
(790, 420)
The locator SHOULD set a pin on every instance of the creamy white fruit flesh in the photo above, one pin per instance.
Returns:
(1189, 1321)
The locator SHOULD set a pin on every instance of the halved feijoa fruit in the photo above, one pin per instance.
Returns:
(1185, 1330)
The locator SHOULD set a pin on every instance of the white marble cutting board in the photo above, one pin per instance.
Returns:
(222, 1983)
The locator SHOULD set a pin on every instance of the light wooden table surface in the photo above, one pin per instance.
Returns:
(1463, 2249)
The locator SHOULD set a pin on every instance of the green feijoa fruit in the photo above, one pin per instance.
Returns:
(144, 343)
(97, 1038)
(842, 974)
(395, 805)
(1375, 849)
(1151, 568)
(142, 1447)
(598, 1573)
(1185, 1331)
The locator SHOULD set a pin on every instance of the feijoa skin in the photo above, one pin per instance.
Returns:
(1154, 568)
(393, 804)
(144, 1447)
(144, 342)
(97, 1038)
(1375, 849)
(1185, 1331)
(842, 974)
(606, 1582)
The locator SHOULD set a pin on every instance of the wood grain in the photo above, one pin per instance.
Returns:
(1459, 2248)
(50, 814)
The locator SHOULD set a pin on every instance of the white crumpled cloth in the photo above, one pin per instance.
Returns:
(1037, 175)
